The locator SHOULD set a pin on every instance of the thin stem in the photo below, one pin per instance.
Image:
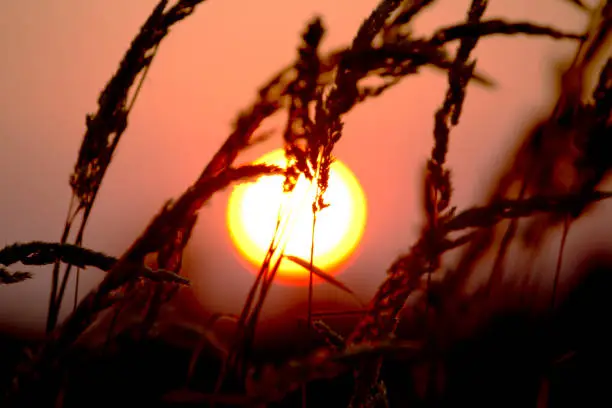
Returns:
(566, 225)
(76, 289)
(310, 277)
(310, 272)
(56, 266)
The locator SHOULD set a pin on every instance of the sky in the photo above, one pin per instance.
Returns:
(57, 56)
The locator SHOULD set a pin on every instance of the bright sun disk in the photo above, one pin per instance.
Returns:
(253, 210)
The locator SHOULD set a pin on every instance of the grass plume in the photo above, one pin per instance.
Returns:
(315, 92)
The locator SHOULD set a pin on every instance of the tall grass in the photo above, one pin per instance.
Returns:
(315, 92)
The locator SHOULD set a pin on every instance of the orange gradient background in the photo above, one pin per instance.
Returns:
(57, 56)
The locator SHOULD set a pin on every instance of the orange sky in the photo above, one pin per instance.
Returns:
(58, 55)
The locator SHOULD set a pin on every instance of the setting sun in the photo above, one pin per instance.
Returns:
(253, 211)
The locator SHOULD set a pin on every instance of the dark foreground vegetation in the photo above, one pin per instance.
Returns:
(138, 340)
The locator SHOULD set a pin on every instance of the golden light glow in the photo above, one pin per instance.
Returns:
(253, 211)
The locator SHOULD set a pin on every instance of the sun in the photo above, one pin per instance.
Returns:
(253, 210)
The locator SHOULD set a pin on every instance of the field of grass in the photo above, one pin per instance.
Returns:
(138, 338)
